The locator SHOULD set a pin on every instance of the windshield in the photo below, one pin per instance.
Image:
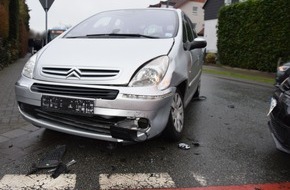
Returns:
(151, 23)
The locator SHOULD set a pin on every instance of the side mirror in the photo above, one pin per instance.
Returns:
(197, 43)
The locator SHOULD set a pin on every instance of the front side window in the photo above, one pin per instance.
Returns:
(189, 32)
(128, 23)
(189, 27)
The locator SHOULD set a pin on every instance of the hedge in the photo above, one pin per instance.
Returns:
(254, 34)
(14, 28)
(4, 21)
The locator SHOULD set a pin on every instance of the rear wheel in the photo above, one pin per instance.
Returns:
(175, 123)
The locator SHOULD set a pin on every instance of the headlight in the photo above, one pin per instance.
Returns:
(283, 68)
(29, 67)
(152, 73)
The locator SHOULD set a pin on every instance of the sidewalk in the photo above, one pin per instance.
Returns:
(11, 123)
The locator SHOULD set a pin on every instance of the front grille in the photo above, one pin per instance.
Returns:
(94, 123)
(85, 92)
(78, 73)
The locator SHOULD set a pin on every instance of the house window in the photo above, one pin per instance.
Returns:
(228, 2)
(194, 10)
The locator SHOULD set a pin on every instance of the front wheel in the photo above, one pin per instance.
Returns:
(175, 122)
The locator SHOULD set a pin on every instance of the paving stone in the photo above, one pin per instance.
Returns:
(15, 133)
(10, 119)
(5, 120)
(3, 139)
(29, 128)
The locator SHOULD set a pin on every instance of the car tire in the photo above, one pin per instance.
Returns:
(175, 124)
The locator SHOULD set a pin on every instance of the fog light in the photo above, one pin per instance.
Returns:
(143, 123)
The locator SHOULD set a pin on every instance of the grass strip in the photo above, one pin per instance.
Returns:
(249, 77)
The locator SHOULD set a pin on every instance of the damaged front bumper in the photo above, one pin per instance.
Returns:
(136, 114)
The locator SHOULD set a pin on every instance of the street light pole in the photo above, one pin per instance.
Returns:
(46, 32)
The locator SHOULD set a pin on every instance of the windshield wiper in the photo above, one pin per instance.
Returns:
(122, 35)
(76, 37)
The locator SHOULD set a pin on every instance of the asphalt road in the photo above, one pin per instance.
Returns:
(227, 132)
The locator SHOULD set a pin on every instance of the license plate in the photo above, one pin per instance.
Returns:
(67, 105)
(273, 104)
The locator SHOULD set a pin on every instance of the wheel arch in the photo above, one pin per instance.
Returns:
(182, 88)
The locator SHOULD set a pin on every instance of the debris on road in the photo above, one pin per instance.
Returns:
(62, 168)
(67, 165)
(183, 146)
(51, 160)
(196, 144)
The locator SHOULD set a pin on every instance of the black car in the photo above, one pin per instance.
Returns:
(279, 113)
(283, 72)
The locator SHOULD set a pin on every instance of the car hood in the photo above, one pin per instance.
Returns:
(97, 61)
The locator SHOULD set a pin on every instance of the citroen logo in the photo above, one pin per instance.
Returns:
(74, 72)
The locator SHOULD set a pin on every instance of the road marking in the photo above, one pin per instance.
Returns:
(273, 186)
(135, 181)
(200, 179)
(42, 181)
(121, 181)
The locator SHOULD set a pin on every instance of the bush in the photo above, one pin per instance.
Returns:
(210, 58)
(254, 34)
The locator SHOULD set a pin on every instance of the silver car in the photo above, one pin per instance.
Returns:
(122, 75)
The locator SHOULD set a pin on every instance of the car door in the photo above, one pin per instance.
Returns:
(195, 63)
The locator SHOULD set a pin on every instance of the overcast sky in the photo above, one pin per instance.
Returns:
(69, 12)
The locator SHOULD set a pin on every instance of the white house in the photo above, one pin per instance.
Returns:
(192, 8)
(211, 9)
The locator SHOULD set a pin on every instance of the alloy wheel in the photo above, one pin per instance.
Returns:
(177, 112)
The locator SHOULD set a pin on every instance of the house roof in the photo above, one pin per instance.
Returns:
(205, 3)
(179, 3)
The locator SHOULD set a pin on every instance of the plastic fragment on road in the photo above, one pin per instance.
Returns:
(50, 160)
(67, 165)
(183, 146)
(61, 168)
